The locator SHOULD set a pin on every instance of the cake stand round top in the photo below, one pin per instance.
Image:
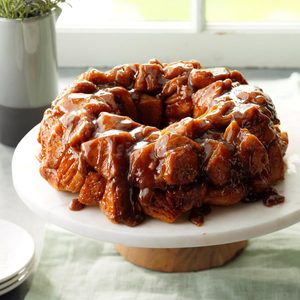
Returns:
(222, 225)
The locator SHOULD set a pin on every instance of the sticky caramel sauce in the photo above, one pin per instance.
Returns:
(269, 197)
(197, 214)
(75, 205)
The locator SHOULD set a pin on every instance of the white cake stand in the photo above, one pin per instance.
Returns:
(156, 245)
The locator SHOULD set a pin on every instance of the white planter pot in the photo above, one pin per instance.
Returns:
(28, 67)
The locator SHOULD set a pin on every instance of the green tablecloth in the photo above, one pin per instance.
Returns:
(73, 267)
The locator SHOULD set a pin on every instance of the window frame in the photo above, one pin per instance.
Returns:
(267, 45)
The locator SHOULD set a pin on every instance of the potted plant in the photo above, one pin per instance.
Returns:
(28, 64)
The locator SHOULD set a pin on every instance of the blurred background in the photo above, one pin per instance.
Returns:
(117, 12)
(258, 33)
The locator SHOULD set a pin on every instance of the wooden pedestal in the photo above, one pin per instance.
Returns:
(182, 259)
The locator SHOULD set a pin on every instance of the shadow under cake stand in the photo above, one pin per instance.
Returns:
(177, 247)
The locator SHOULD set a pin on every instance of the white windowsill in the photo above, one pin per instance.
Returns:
(242, 49)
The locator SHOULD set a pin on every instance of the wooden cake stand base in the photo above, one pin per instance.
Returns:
(182, 259)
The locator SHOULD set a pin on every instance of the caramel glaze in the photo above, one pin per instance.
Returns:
(162, 140)
(75, 205)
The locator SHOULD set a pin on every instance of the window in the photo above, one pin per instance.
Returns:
(264, 11)
(257, 33)
(127, 14)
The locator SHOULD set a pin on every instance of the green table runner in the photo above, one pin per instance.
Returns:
(73, 267)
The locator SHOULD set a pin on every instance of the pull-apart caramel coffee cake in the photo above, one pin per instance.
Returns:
(162, 140)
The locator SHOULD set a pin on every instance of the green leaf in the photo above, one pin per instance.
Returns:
(14, 9)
